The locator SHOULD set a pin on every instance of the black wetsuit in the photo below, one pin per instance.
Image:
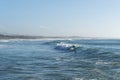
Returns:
(74, 48)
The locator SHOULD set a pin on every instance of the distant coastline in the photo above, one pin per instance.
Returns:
(3, 36)
(7, 36)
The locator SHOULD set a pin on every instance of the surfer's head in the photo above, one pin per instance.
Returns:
(73, 46)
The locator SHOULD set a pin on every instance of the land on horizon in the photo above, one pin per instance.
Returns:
(4, 36)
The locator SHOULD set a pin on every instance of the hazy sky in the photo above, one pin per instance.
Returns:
(89, 18)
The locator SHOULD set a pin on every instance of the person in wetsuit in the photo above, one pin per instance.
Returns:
(74, 49)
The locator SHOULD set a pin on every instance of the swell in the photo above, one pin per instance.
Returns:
(88, 51)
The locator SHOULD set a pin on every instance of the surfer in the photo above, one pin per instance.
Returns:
(74, 49)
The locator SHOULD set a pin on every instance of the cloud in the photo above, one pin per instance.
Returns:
(43, 27)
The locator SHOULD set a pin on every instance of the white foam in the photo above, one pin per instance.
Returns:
(9, 40)
(42, 39)
(104, 63)
(66, 46)
(4, 40)
(78, 79)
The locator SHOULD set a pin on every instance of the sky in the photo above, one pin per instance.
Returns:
(86, 18)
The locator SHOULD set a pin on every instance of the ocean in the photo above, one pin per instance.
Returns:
(94, 59)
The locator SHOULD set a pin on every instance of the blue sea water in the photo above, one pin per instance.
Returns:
(95, 59)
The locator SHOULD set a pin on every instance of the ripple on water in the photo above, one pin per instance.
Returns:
(36, 61)
(57, 76)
